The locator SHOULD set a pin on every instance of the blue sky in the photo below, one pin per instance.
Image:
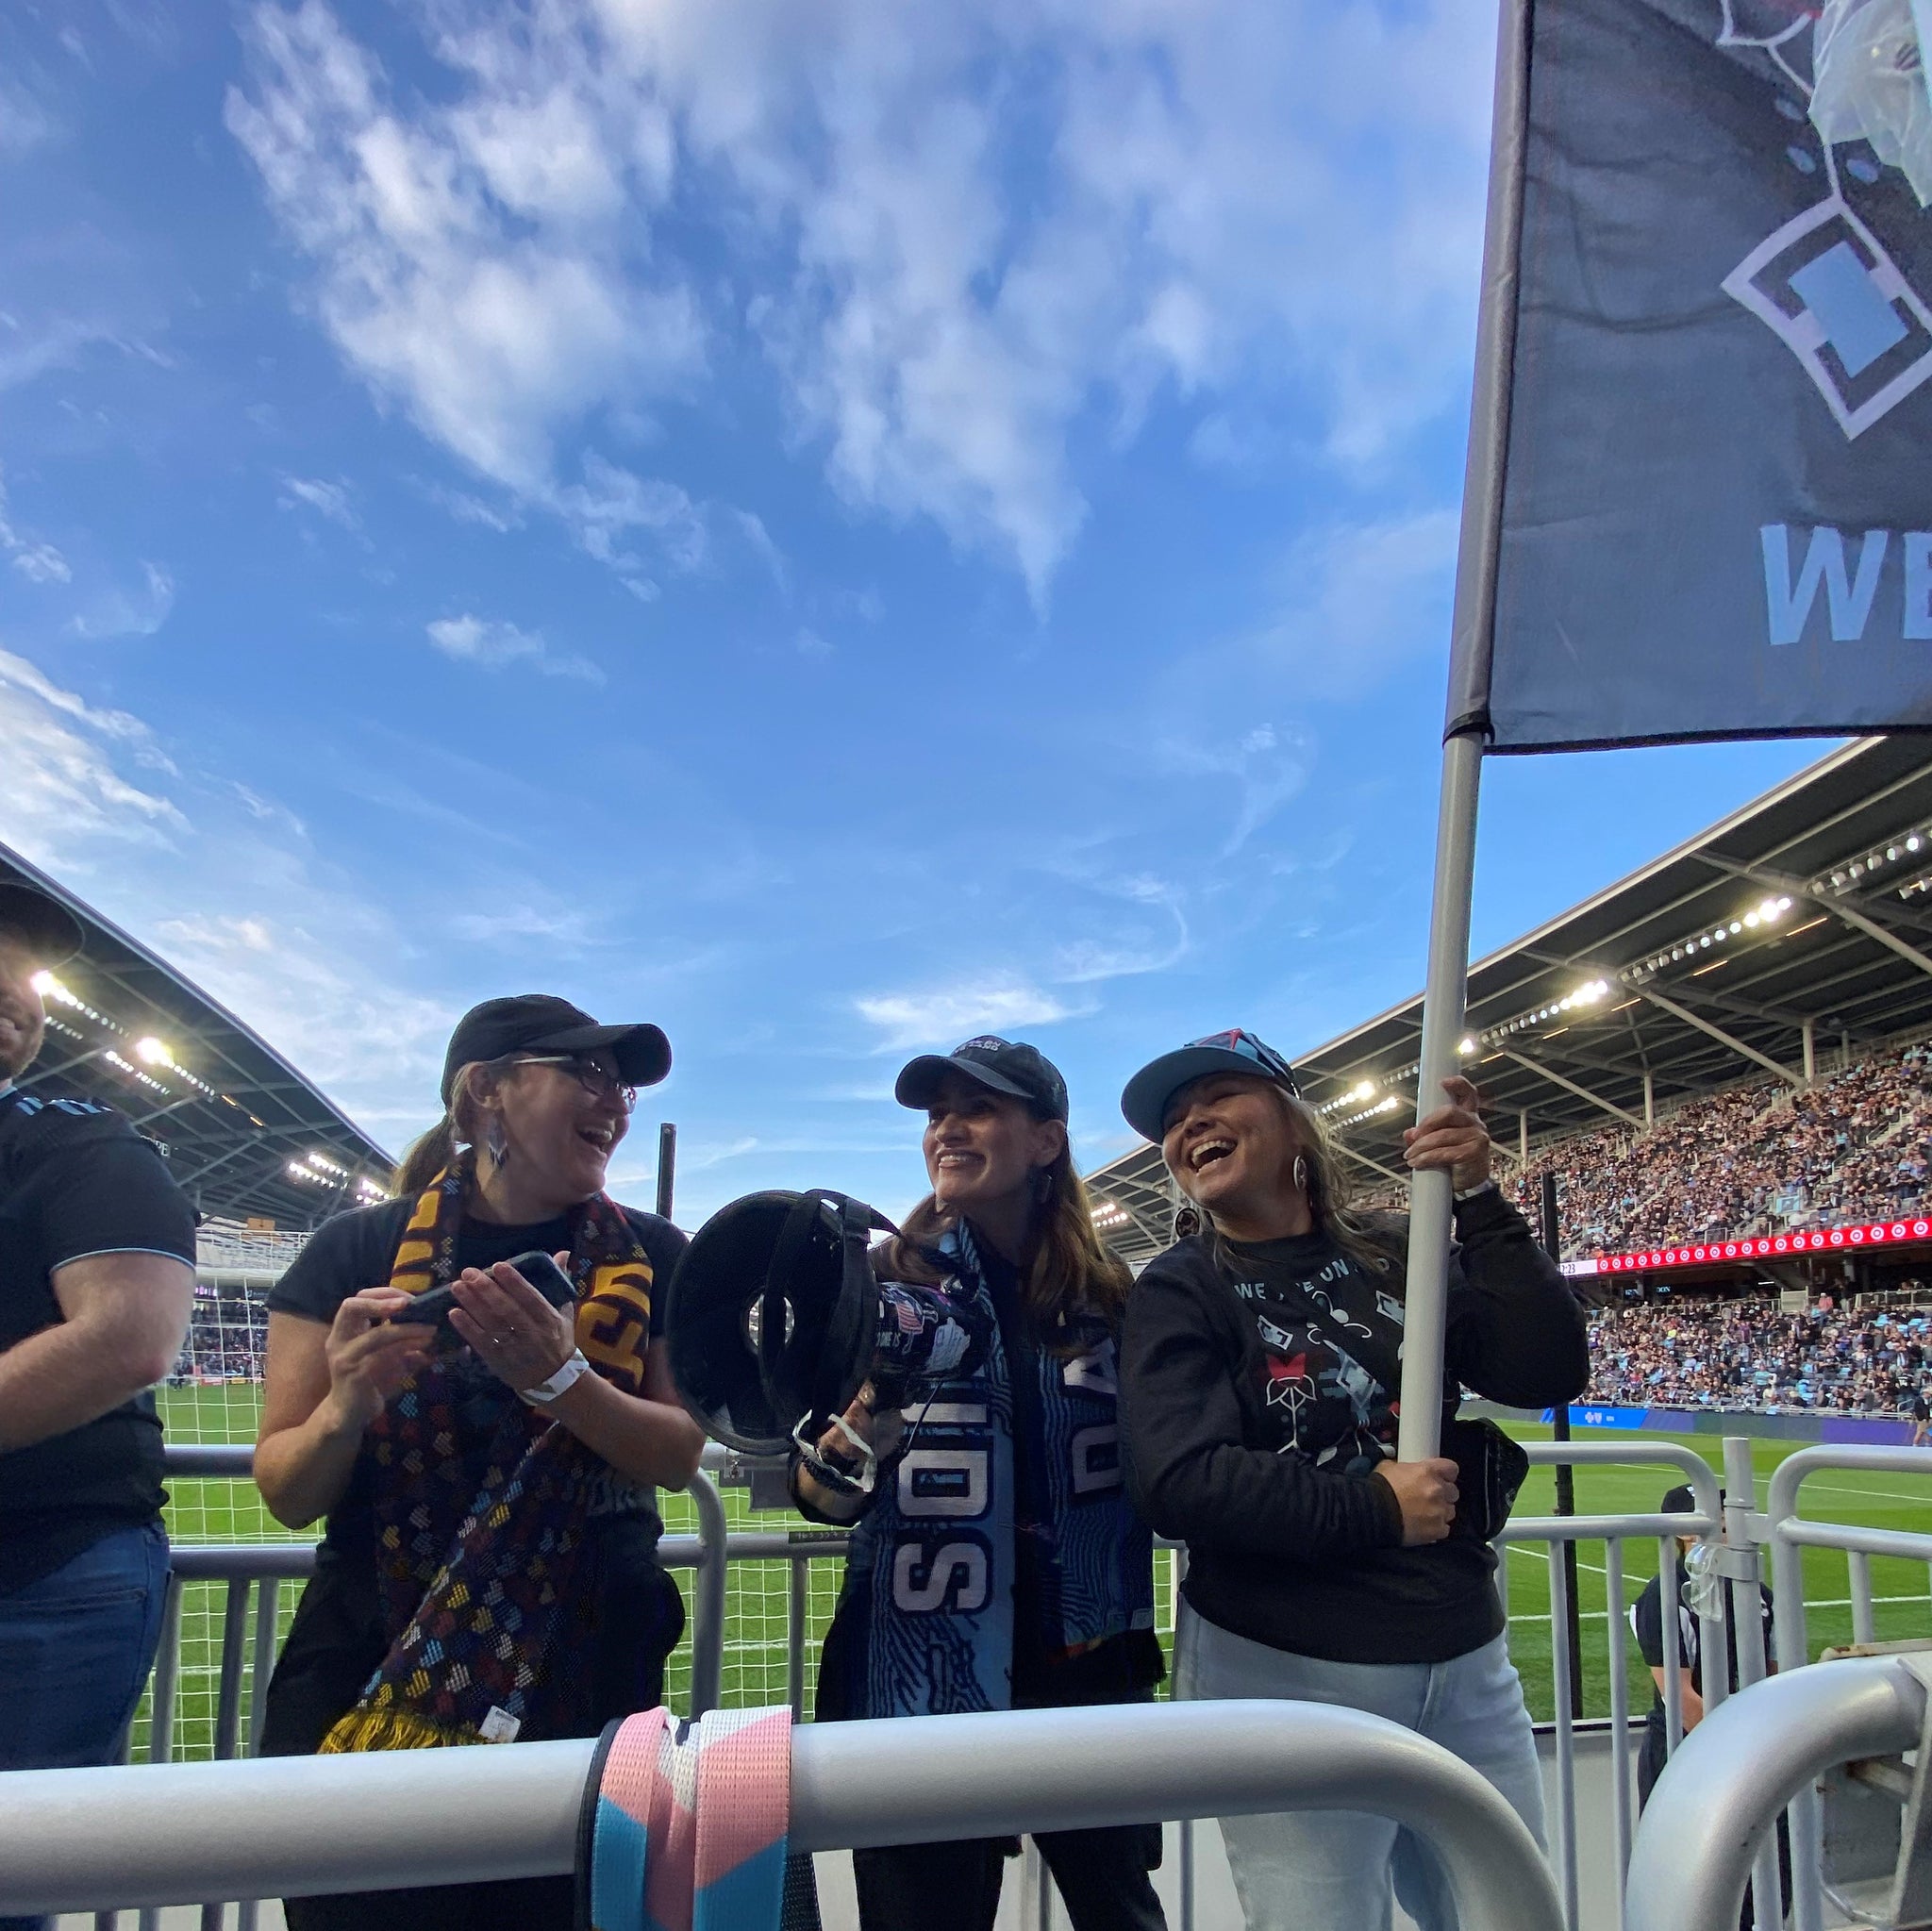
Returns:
(832, 529)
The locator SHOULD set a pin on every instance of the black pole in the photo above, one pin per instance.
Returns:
(1566, 1482)
(667, 1167)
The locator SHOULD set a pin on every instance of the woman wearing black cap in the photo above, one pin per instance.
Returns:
(494, 1473)
(1259, 1382)
(996, 1562)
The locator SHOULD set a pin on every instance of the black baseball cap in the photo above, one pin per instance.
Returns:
(539, 1023)
(1002, 1066)
(1145, 1101)
(46, 927)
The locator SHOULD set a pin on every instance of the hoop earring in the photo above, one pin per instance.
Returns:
(1301, 1172)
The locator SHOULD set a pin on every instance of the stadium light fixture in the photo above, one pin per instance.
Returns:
(1366, 1090)
(1466, 1046)
(151, 1052)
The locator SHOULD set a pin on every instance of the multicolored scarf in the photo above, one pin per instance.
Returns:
(933, 1563)
(480, 1507)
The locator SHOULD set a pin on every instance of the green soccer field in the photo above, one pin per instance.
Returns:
(757, 1595)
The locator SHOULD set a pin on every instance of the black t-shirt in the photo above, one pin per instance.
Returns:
(1647, 1622)
(76, 1181)
(339, 1636)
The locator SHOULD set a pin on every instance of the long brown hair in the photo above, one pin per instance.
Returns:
(1330, 1193)
(426, 1156)
(1071, 1267)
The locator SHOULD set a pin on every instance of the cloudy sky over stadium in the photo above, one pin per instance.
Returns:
(832, 528)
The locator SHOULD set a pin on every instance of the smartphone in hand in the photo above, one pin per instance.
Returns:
(431, 1307)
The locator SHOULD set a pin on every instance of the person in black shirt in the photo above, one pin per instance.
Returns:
(1258, 1384)
(396, 1431)
(96, 1281)
(996, 1562)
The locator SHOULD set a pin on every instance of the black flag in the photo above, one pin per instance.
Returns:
(1717, 497)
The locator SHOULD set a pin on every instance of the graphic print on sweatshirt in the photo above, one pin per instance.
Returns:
(1329, 1333)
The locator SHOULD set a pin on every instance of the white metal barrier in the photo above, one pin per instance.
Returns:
(333, 1823)
(1710, 1825)
(254, 1573)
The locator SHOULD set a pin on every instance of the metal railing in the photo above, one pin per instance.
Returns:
(318, 1825)
(1790, 1535)
(1711, 1826)
(1613, 1531)
(252, 1573)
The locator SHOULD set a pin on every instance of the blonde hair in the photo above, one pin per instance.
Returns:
(1330, 1192)
(427, 1156)
(1072, 1270)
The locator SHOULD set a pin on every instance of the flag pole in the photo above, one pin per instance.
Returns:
(1419, 1435)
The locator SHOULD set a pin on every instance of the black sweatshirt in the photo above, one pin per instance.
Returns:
(1257, 1404)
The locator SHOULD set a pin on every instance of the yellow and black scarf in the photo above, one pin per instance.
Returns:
(480, 1502)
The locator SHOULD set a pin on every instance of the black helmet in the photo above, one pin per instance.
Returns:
(772, 1316)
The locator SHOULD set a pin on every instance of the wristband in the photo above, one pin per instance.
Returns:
(544, 1392)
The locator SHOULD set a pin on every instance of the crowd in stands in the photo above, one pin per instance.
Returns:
(1752, 1354)
(226, 1340)
(1755, 1160)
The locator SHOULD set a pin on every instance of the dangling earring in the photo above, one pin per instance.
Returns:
(1301, 1172)
(496, 1142)
(1042, 1185)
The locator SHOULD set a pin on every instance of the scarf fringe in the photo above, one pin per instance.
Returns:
(393, 1729)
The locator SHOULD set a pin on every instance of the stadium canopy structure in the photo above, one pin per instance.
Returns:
(244, 1134)
(1782, 943)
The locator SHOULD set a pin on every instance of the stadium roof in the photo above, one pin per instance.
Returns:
(232, 1115)
(1800, 924)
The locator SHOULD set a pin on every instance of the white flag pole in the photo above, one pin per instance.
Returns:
(1419, 1426)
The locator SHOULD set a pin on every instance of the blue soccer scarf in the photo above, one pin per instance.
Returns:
(932, 1563)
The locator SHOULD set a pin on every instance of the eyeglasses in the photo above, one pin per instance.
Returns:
(598, 1081)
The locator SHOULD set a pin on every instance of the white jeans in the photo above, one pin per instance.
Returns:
(1340, 1870)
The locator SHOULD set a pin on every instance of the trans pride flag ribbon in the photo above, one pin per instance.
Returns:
(684, 1824)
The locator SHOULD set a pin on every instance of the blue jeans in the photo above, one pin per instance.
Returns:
(1341, 1869)
(75, 1648)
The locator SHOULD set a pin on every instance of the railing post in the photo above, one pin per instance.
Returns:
(1620, 1710)
(1566, 1764)
(797, 1605)
(708, 1607)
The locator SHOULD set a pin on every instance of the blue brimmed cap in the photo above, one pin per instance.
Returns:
(1145, 1100)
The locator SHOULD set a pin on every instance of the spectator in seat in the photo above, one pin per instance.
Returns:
(1258, 1384)
(400, 1433)
(96, 1279)
(1064, 1615)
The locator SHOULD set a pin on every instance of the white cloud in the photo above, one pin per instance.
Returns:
(90, 796)
(971, 231)
(1356, 598)
(497, 645)
(119, 611)
(460, 270)
(944, 1015)
(329, 500)
(59, 781)
(25, 123)
(37, 561)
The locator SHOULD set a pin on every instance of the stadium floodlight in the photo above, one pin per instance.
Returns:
(1365, 1091)
(151, 1052)
(1465, 1046)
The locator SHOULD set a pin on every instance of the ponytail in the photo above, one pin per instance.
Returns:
(431, 1154)
(426, 1159)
